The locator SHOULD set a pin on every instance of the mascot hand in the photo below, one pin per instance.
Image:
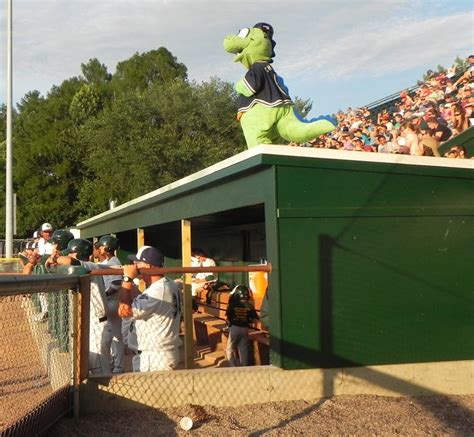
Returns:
(242, 89)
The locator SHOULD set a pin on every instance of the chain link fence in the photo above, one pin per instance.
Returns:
(10, 265)
(38, 352)
(51, 340)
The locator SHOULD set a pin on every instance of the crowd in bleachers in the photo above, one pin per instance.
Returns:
(418, 123)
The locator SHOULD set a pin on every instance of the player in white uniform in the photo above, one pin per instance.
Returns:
(45, 247)
(200, 259)
(107, 246)
(156, 314)
(79, 251)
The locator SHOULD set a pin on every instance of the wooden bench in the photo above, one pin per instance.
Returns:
(210, 326)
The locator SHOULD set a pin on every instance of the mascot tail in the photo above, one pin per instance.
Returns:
(293, 127)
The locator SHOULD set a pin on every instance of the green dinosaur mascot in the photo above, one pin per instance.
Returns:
(266, 111)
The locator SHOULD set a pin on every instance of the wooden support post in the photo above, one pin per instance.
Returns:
(188, 305)
(141, 243)
(83, 327)
(140, 237)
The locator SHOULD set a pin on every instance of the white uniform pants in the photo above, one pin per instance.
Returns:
(238, 339)
(147, 361)
(43, 303)
(99, 357)
(112, 342)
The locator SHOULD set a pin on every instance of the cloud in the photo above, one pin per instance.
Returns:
(392, 46)
(329, 39)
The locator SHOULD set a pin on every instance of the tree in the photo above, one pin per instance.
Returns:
(303, 106)
(461, 65)
(47, 165)
(93, 138)
(153, 138)
(85, 103)
(142, 71)
(95, 73)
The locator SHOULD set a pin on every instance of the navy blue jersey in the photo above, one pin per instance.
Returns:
(240, 314)
(266, 87)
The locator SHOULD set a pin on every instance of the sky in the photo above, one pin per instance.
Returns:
(338, 53)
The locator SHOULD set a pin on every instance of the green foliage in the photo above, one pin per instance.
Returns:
(85, 103)
(303, 106)
(461, 65)
(145, 141)
(144, 70)
(46, 164)
(95, 73)
(102, 136)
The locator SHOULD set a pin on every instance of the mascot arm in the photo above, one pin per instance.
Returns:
(253, 81)
(242, 89)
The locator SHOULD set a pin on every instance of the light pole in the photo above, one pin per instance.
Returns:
(9, 154)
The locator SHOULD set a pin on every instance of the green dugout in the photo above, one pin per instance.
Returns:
(372, 254)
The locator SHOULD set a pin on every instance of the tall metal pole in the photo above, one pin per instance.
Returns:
(9, 154)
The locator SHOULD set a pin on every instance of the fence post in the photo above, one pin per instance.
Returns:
(83, 326)
(188, 307)
(76, 350)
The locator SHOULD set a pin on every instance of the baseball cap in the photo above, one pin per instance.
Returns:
(46, 227)
(36, 234)
(149, 255)
(268, 30)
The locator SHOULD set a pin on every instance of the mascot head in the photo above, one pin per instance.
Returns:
(251, 45)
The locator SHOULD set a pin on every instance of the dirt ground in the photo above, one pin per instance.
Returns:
(24, 382)
(344, 415)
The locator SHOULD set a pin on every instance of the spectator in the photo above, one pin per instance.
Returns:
(347, 143)
(429, 144)
(469, 73)
(358, 146)
(437, 130)
(384, 146)
(456, 152)
(436, 98)
(397, 121)
(411, 140)
(156, 314)
(458, 121)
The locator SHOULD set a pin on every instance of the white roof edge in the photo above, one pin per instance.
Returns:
(303, 152)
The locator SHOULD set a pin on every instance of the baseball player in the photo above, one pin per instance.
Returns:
(240, 313)
(78, 253)
(156, 314)
(107, 245)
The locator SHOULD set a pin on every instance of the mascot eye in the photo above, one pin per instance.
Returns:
(243, 32)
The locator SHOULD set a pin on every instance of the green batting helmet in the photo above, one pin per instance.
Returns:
(83, 248)
(61, 237)
(109, 242)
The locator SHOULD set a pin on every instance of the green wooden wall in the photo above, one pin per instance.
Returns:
(375, 267)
